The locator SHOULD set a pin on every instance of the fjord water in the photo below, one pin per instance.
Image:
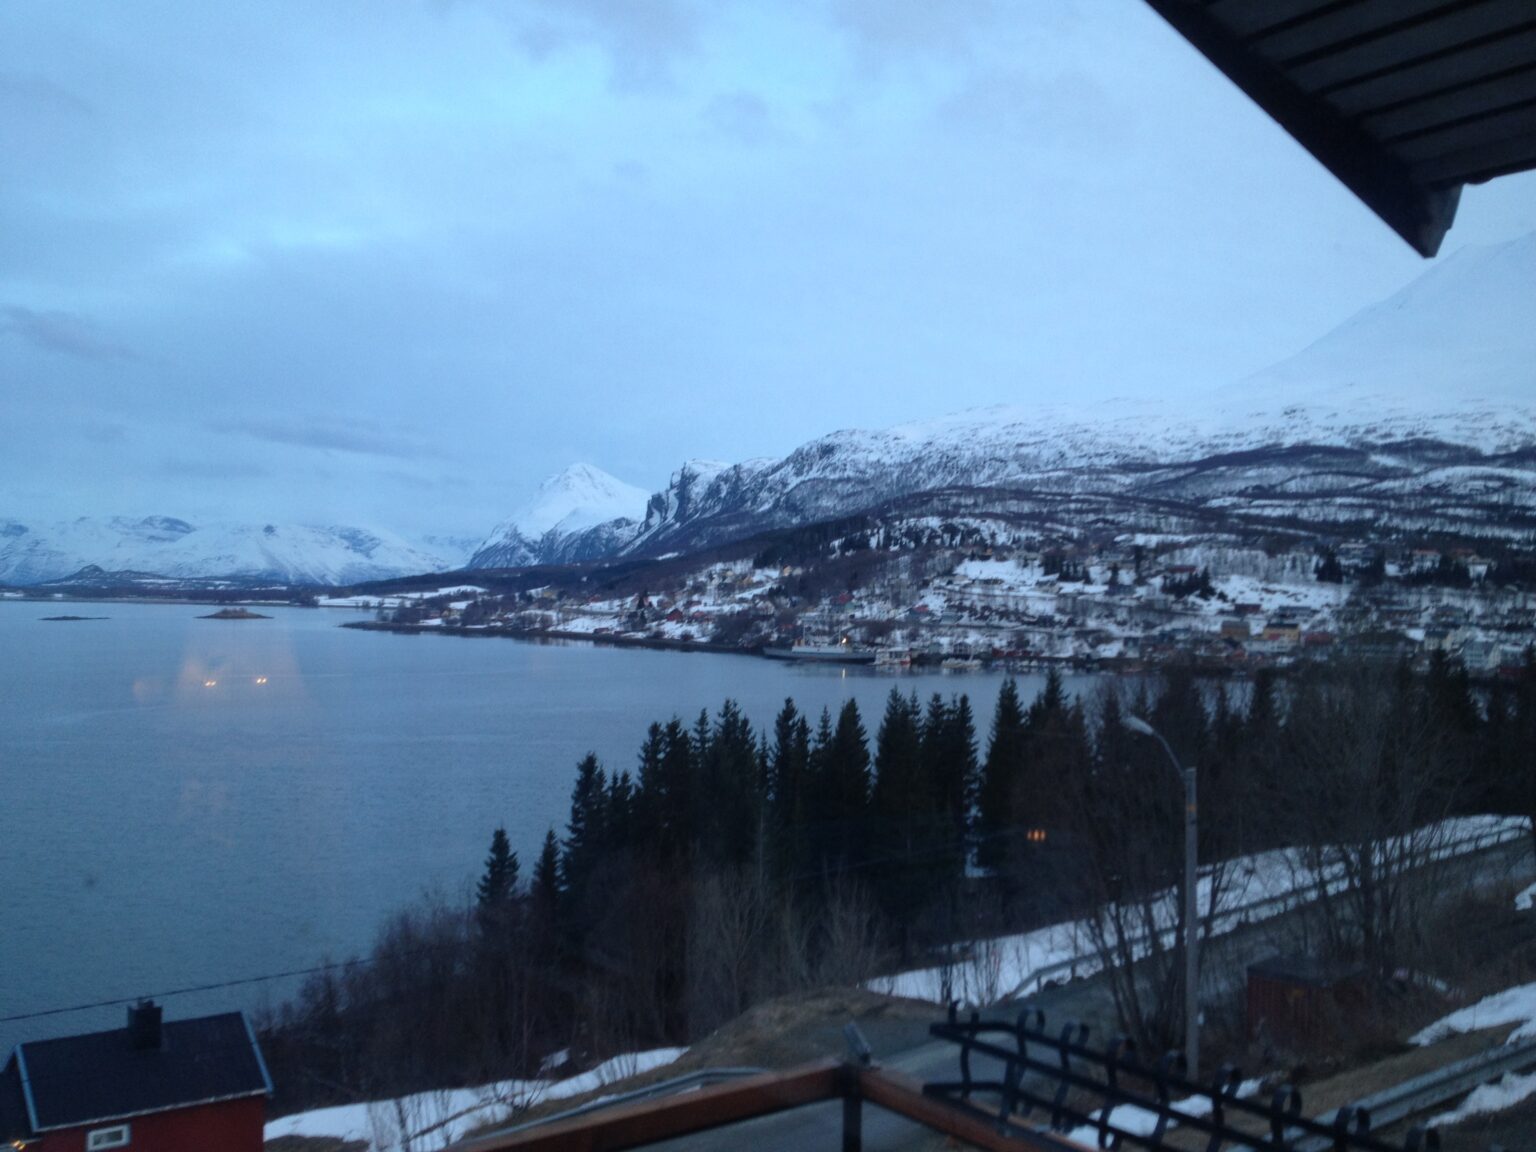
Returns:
(187, 801)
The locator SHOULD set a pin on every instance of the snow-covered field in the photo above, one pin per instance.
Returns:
(433, 1120)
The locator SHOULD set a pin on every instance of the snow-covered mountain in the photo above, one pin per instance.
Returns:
(581, 505)
(1425, 401)
(33, 553)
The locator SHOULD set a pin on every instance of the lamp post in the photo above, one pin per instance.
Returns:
(1191, 898)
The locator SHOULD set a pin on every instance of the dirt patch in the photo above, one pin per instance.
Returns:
(794, 1029)
(1357, 1083)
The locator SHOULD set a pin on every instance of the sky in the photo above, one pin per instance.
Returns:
(392, 264)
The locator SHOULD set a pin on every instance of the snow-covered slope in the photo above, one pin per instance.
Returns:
(582, 501)
(164, 546)
(1438, 380)
(1452, 355)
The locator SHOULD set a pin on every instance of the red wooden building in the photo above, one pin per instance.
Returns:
(178, 1086)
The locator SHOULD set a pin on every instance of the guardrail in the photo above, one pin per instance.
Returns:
(1394, 1105)
(1264, 908)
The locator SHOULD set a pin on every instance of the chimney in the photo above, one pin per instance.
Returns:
(144, 1026)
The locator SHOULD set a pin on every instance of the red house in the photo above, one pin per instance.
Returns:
(181, 1086)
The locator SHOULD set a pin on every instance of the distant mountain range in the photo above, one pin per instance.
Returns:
(246, 553)
(1417, 415)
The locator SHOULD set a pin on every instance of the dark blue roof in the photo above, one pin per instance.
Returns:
(102, 1076)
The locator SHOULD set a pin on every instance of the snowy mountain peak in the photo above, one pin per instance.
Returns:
(577, 497)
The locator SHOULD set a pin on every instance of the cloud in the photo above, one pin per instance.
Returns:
(743, 116)
(883, 31)
(182, 468)
(1069, 110)
(33, 95)
(65, 333)
(326, 435)
(643, 42)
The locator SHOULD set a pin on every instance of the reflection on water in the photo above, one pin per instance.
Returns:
(184, 801)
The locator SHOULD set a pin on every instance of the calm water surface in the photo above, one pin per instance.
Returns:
(186, 801)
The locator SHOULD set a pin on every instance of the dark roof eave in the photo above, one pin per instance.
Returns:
(1421, 214)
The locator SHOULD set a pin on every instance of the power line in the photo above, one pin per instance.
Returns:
(118, 1001)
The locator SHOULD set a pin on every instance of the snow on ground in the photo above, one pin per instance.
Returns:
(1524, 900)
(1253, 888)
(1495, 1097)
(433, 1120)
(1142, 1121)
(397, 599)
(1515, 1005)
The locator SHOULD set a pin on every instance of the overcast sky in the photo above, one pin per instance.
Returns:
(391, 264)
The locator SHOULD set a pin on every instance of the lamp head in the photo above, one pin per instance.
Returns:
(1138, 725)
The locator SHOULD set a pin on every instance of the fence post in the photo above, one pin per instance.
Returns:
(853, 1119)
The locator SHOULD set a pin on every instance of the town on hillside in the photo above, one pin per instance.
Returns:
(959, 597)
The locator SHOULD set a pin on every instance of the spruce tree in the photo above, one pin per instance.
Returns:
(789, 771)
(1001, 774)
(901, 823)
(586, 832)
(498, 884)
(544, 900)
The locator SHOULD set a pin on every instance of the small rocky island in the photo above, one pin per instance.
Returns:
(58, 619)
(234, 614)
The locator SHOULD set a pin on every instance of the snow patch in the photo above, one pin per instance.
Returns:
(1515, 1005)
(1485, 1098)
(428, 1121)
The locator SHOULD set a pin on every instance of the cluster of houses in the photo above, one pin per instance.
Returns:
(1229, 607)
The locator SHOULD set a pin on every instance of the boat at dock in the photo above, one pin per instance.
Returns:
(842, 652)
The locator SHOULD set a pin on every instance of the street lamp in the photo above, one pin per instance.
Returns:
(1191, 898)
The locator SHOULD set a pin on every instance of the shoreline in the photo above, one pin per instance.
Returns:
(1040, 664)
(655, 643)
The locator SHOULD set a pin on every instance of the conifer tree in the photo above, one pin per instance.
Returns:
(949, 763)
(789, 767)
(544, 900)
(619, 812)
(900, 793)
(838, 791)
(901, 815)
(675, 828)
(586, 832)
(728, 795)
(1001, 774)
(498, 884)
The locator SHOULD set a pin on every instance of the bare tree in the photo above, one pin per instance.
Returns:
(1367, 795)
